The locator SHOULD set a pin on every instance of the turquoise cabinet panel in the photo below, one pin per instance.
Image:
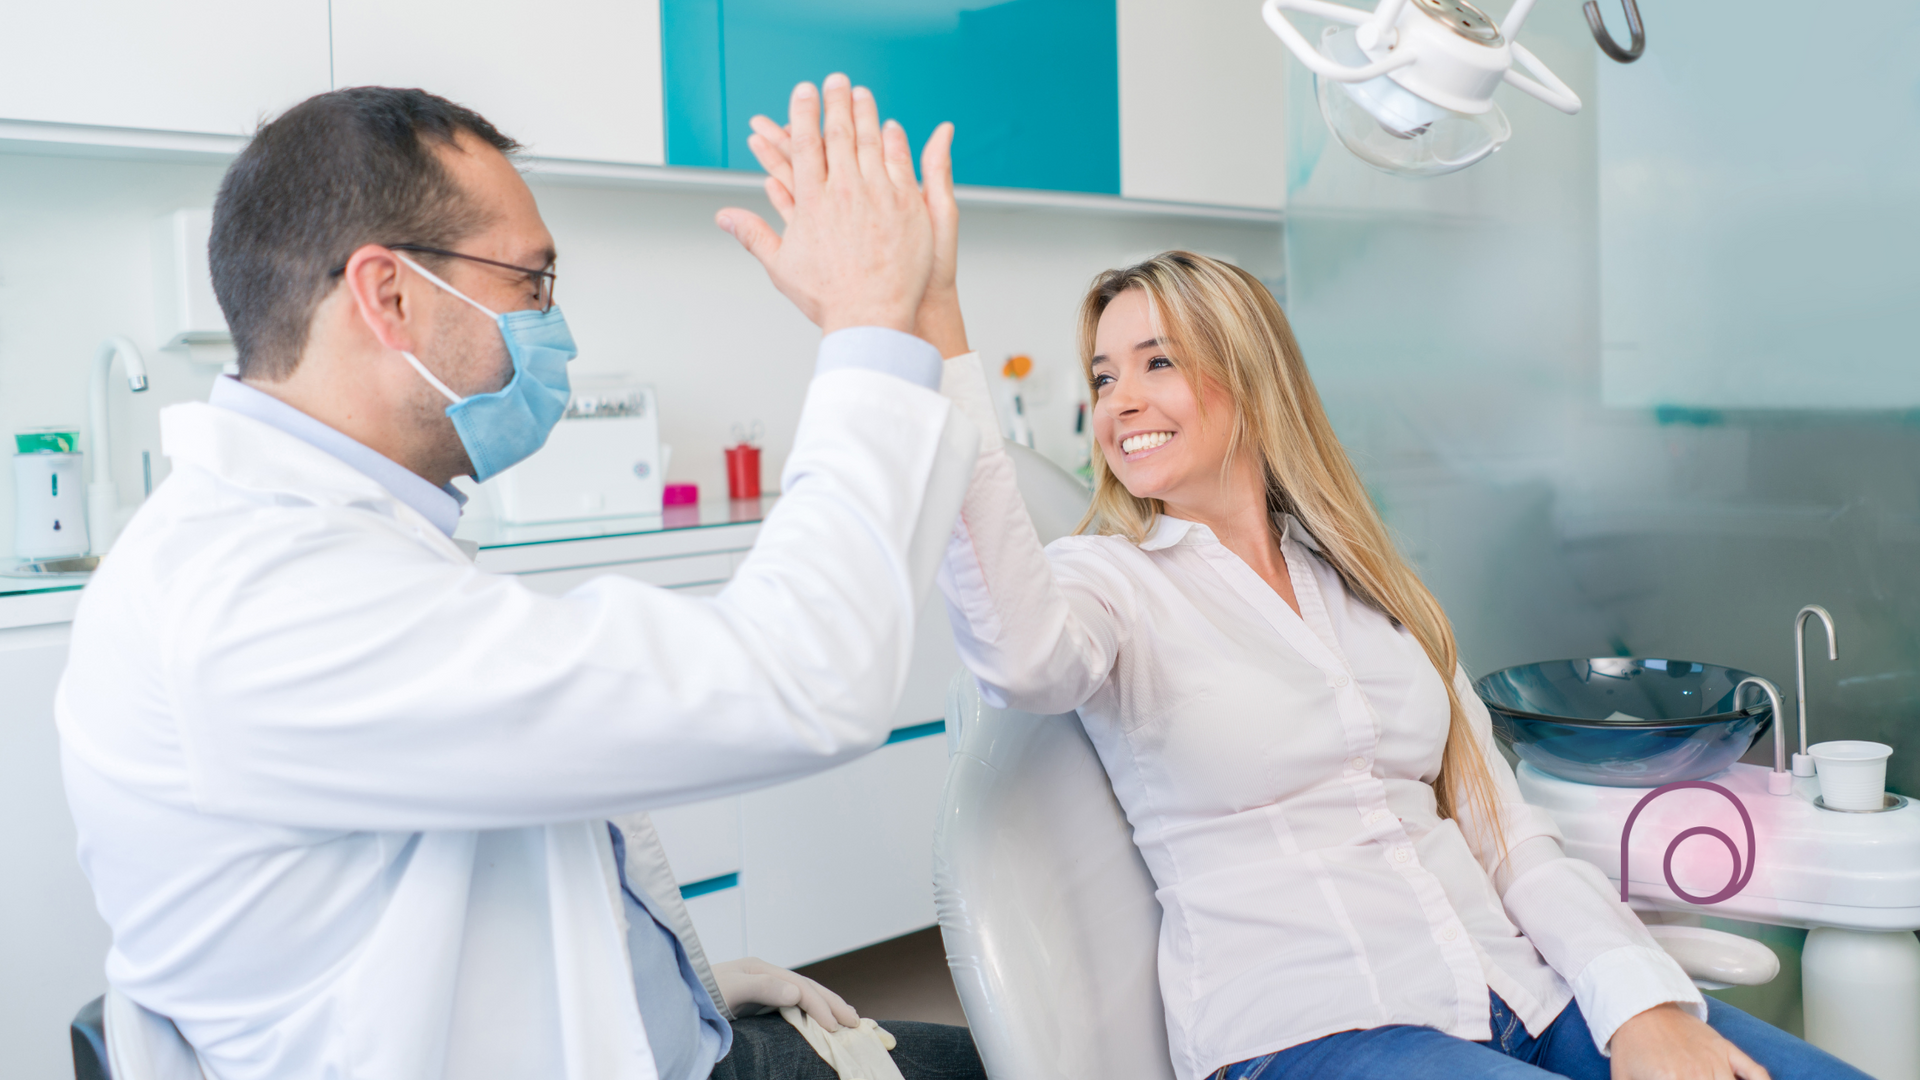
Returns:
(1032, 86)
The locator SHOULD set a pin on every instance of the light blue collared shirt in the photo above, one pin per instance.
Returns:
(683, 1023)
(877, 348)
(438, 505)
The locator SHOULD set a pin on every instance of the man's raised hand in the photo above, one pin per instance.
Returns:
(859, 246)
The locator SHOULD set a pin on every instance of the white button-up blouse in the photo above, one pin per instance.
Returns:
(1277, 770)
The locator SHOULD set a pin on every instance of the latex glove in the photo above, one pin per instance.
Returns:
(753, 981)
(1668, 1043)
(858, 249)
(938, 318)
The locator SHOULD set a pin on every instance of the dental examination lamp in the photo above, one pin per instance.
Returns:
(1408, 87)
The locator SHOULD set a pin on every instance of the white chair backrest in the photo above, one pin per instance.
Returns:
(1047, 910)
(1056, 499)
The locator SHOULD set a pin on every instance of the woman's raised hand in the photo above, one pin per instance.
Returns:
(938, 318)
(858, 248)
(1668, 1043)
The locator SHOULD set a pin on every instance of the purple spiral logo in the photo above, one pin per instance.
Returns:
(1734, 884)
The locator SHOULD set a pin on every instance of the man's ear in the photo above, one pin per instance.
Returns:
(374, 281)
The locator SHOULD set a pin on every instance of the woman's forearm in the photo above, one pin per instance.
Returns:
(1034, 641)
(938, 321)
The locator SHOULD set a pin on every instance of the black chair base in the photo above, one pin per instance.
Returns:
(90, 1042)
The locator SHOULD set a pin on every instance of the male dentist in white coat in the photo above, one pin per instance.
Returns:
(343, 797)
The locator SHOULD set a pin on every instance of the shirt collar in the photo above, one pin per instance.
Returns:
(1168, 531)
(441, 506)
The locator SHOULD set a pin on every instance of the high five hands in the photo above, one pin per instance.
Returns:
(864, 245)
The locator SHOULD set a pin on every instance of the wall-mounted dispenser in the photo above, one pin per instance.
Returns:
(50, 503)
(187, 316)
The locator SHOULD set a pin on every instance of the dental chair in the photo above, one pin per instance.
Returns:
(1047, 911)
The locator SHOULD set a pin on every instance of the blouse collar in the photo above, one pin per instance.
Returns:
(1169, 530)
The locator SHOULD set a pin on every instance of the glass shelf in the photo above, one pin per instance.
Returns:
(489, 533)
(13, 586)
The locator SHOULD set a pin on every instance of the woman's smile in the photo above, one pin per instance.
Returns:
(1141, 444)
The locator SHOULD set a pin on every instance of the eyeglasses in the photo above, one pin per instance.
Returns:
(543, 280)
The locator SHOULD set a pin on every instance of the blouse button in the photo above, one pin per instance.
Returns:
(1401, 855)
(1376, 817)
(1449, 934)
(1339, 679)
(1357, 764)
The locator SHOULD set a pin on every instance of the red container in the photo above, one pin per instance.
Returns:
(743, 472)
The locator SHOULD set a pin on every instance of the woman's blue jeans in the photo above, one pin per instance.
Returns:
(1565, 1049)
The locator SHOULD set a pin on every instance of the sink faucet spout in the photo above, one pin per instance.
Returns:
(1802, 763)
(103, 500)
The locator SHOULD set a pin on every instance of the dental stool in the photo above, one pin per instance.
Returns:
(1047, 911)
(116, 1039)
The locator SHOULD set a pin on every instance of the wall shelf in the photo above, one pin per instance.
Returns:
(133, 144)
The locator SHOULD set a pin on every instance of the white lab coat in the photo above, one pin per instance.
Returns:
(341, 795)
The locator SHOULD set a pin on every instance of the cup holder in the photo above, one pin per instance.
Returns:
(1891, 802)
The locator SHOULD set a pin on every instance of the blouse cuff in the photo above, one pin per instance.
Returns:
(1625, 982)
(963, 379)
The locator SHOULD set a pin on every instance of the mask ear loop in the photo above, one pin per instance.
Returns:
(432, 380)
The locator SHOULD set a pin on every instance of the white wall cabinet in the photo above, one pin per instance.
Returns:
(208, 66)
(842, 859)
(53, 945)
(1202, 104)
(575, 79)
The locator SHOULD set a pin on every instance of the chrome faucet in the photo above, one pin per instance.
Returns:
(1802, 763)
(1779, 781)
(103, 499)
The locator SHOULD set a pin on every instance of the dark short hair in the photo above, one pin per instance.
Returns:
(333, 173)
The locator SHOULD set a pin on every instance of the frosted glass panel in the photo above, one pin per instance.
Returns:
(1759, 219)
(1754, 449)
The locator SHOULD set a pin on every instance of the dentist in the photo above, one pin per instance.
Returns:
(353, 807)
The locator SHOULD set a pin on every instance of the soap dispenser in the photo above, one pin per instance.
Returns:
(50, 500)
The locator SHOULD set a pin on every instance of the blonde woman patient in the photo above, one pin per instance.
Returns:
(1351, 885)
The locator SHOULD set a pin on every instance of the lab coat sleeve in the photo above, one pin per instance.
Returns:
(1566, 907)
(1040, 634)
(334, 674)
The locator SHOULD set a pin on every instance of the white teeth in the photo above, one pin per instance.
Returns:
(1145, 442)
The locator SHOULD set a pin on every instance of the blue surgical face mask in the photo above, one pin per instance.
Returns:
(505, 427)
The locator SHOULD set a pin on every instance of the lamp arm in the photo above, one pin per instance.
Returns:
(1553, 92)
(1303, 51)
(1516, 18)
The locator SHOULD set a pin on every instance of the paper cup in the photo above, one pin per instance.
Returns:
(1853, 774)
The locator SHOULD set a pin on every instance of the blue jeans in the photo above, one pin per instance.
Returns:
(1565, 1049)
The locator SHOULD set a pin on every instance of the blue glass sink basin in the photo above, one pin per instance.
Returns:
(1622, 722)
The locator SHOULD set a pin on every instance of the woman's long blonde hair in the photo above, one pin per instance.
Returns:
(1223, 325)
